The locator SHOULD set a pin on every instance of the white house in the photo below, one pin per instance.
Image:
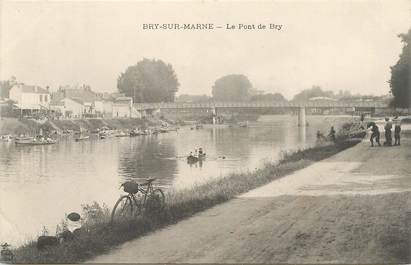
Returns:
(122, 107)
(69, 108)
(30, 97)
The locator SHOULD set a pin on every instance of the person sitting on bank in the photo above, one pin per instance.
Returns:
(388, 134)
(397, 130)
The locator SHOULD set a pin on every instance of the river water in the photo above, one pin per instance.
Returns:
(40, 184)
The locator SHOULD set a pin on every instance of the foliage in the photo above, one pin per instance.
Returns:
(192, 98)
(315, 91)
(400, 75)
(232, 88)
(5, 87)
(269, 97)
(149, 81)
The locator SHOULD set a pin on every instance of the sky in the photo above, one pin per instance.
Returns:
(338, 45)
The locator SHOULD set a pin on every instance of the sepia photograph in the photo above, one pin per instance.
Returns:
(218, 132)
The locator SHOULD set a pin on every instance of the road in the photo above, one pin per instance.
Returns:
(354, 207)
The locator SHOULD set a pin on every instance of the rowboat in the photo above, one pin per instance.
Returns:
(6, 138)
(81, 138)
(194, 159)
(34, 141)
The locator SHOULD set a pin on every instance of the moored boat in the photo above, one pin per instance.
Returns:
(6, 138)
(34, 141)
(81, 138)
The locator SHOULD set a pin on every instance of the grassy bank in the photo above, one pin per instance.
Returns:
(97, 236)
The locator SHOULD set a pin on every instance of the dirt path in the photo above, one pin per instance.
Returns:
(354, 207)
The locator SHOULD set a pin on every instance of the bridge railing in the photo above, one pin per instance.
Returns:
(265, 104)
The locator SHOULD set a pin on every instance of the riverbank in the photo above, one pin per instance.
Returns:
(31, 127)
(351, 208)
(98, 236)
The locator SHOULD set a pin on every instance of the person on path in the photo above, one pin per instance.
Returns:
(397, 130)
(331, 135)
(375, 133)
(388, 134)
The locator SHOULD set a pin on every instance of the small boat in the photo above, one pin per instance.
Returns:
(122, 134)
(34, 141)
(194, 159)
(6, 138)
(81, 138)
(243, 124)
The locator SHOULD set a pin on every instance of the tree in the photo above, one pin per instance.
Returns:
(315, 91)
(400, 75)
(232, 88)
(269, 97)
(149, 81)
(192, 98)
(5, 87)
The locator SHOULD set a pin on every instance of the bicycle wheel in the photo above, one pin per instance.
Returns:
(155, 201)
(123, 209)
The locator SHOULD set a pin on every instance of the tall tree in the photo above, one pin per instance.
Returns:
(400, 75)
(232, 88)
(5, 87)
(269, 97)
(315, 91)
(149, 81)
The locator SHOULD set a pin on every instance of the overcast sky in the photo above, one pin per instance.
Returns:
(347, 45)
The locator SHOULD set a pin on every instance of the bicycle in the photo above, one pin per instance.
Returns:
(152, 200)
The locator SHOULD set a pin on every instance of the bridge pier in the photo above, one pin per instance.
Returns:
(301, 117)
(214, 113)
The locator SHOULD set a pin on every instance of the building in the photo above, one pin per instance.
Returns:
(69, 108)
(30, 98)
(122, 107)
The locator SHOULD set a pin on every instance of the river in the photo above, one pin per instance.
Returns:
(40, 184)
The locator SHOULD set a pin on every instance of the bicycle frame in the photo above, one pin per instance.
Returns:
(146, 191)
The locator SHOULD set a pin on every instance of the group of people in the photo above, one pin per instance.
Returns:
(197, 153)
(396, 122)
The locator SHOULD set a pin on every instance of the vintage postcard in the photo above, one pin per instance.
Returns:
(205, 132)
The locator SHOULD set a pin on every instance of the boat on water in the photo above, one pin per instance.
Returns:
(122, 134)
(194, 159)
(6, 138)
(81, 138)
(39, 140)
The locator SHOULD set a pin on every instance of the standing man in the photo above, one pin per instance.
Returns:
(397, 130)
(388, 134)
(331, 134)
(375, 133)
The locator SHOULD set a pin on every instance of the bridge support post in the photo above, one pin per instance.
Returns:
(301, 117)
(214, 113)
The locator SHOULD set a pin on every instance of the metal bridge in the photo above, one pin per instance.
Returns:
(273, 104)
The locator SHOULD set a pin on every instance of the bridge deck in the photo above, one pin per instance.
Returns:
(210, 105)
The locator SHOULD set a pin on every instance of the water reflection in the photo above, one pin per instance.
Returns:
(148, 156)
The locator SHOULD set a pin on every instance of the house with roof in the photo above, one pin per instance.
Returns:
(122, 107)
(69, 108)
(30, 97)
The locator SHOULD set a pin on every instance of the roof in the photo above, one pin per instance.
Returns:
(123, 100)
(322, 98)
(32, 89)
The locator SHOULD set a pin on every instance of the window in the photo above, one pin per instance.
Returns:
(41, 98)
(45, 98)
